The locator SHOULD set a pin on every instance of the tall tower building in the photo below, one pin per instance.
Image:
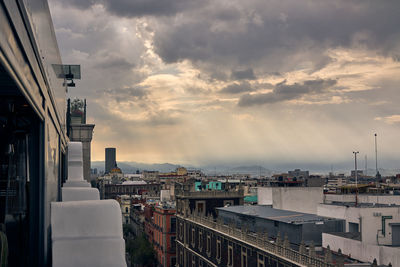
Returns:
(110, 159)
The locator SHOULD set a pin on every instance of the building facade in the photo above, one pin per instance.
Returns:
(203, 239)
(125, 203)
(299, 227)
(372, 231)
(164, 222)
(33, 136)
(114, 190)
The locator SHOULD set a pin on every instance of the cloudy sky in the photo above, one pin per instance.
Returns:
(231, 81)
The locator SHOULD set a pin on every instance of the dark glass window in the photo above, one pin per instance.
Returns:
(173, 225)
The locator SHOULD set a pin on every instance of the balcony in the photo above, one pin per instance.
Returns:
(86, 231)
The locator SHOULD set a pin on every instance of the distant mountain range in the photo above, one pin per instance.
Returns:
(253, 170)
(132, 167)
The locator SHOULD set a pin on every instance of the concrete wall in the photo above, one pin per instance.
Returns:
(264, 195)
(362, 251)
(368, 218)
(314, 230)
(300, 199)
(379, 199)
(339, 212)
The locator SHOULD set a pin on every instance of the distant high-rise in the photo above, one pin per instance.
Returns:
(110, 159)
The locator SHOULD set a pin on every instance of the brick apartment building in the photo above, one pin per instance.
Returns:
(164, 234)
(158, 223)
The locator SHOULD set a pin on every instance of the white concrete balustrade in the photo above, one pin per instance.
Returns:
(80, 193)
(75, 166)
(86, 231)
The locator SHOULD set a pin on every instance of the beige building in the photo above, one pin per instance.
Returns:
(181, 171)
(125, 203)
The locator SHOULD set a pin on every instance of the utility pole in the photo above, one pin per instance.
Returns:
(378, 175)
(356, 174)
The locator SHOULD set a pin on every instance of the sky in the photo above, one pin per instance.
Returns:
(270, 82)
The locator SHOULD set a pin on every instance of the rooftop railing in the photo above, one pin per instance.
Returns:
(280, 248)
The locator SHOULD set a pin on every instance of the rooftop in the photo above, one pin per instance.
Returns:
(268, 213)
(166, 206)
(209, 194)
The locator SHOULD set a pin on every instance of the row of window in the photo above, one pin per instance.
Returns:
(200, 206)
(127, 189)
(163, 262)
(158, 221)
(192, 262)
(243, 262)
(158, 239)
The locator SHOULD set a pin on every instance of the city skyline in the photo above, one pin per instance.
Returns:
(199, 82)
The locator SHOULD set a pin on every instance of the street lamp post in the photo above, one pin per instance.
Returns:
(378, 175)
(356, 174)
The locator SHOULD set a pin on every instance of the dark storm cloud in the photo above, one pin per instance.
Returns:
(237, 88)
(84, 4)
(278, 35)
(115, 62)
(247, 74)
(284, 92)
(137, 8)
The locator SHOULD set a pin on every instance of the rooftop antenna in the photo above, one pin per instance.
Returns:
(378, 175)
(355, 170)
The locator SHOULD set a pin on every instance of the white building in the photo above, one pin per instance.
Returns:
(377, 224)
(125, 203)
(372, 231)
(300, 199)
(363, 198)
